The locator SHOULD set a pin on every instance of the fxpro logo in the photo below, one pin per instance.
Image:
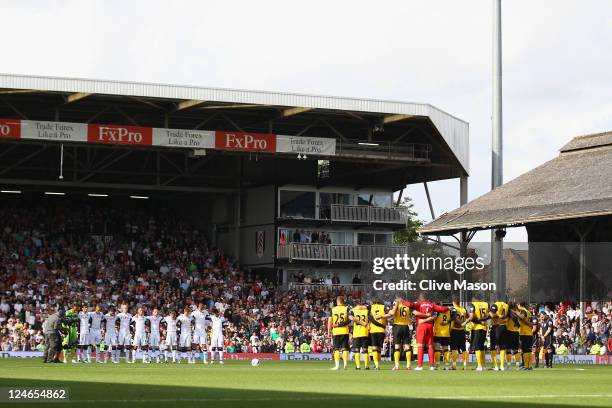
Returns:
(118, 135)
(245, 141)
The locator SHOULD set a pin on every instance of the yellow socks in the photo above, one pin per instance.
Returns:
(345, 357)
(465, 357)
(527, 358)
(502, 358)
(437, 357)
(454, 355)
(480, 358)
(376, 355)
(408, 358)
(494, 357)
(358, 360)
(396, 357)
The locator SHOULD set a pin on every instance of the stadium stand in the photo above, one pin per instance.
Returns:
(51, 255)
(56, 254)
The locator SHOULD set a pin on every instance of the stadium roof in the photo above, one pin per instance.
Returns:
(576, 184)
(454, 131)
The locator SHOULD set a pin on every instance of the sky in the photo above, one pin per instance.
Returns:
(557, 61)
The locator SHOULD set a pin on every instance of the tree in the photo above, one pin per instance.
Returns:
(409, 233)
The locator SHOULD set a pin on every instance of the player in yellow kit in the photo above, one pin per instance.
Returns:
(441, 332)
(378, 326)
(525, 335)
(458, 316)
(478, 315)
(338, 327)
(401, 333)
(361, 335)
(512, 335)
(499, 317)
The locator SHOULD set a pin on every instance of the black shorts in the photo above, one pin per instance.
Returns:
(526, 343)
(499, 337)
(479, 337)
(548, 343)
(443, 341)
(341, 342)
(401, 334)
(377, 340)
(361, 342)
(512, 340)
(536, 341)
(457, 340)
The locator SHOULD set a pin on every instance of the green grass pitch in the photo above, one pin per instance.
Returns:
(308, 384)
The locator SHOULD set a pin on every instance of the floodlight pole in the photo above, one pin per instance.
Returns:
(463, 240)
(497, 143)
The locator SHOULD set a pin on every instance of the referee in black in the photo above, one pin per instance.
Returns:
(51, 332)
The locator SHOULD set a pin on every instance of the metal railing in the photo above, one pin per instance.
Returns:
(365, 213)
(312, 252)
(353, 213)
(337, 253)
(387, 150)
(283, 251)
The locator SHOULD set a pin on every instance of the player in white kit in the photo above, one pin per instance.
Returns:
(170, 323)
(139, 343)
(154, 336)
(110, 336)
(200, 336)
(95, 331)
(185, 338)
(83, 346)
(216, 341)
(124, 339)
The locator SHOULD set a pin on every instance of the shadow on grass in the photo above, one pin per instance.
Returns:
(89, 394)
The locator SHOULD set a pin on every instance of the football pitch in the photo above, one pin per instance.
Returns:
(308, 384)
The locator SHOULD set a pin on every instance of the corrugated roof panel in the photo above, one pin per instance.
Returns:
(454, 131)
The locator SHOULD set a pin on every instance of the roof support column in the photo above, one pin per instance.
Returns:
(582, 231)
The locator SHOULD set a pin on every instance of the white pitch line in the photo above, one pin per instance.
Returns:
(331, 398)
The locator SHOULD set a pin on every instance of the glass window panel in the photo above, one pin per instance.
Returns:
(363, 199)
(297, 204)
(382, 239)
(337, 238)
(365, 238)
(382, 200)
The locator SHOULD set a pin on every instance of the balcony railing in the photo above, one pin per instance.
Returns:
(312, 252)
(364, 214)
(336, 253)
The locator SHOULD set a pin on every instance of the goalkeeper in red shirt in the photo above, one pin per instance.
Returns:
(424, 312)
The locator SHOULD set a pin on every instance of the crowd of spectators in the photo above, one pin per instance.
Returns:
(89, 254)
(304, 236)
(593, 337)
(54, 255)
